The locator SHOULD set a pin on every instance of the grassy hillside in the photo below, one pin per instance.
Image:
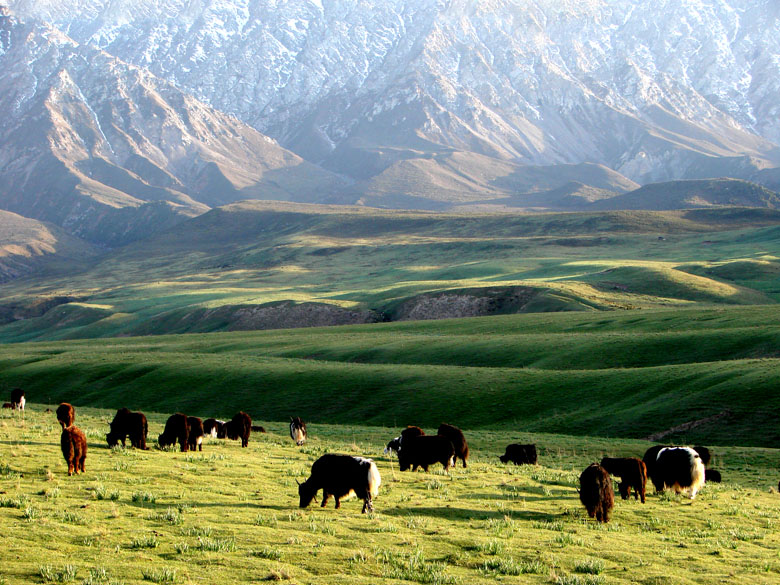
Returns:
(246, 266)
(616, 374)
(231, 515)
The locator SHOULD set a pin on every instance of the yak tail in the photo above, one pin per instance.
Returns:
(374, 480)
(697, 476)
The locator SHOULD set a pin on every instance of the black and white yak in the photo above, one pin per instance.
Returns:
(519, 454)
(596, 492)
(127, 424)
(455, 435)
(215, 428)
(297, 430)
(678, 468)
(395, 444)
(195, 433)
(341, 476)
(17, 399)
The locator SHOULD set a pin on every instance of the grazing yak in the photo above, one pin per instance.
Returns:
(7, 405)
(215, 428)
(341, 476)
(66, 414)
(195, 434)
(258, 429)
(679, 468)
(651, 455)
(455, 435)
(410, 431)
(74, 448)
(177, 430)
(297, 430)
(519, 454)
(425, 450)
(596, 492)
(712, 475)
(128, 424)
(632, 473)
(239, 427)
(17, 399)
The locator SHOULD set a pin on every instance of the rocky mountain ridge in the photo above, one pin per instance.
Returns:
(654, 90)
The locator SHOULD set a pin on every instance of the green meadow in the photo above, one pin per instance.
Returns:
(231, 515)
(257, 254)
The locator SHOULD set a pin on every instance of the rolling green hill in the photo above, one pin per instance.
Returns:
(616, 374)
(260, 265)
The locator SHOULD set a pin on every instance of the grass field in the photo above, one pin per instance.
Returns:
(612, 374)
(230, 515)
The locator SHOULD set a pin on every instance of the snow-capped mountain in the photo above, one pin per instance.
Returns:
(654, 89)
(110, 152)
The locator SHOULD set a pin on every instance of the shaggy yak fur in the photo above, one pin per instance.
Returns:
(66, 414)
(258, 429)
(341, 476)
(704, 453)
(17, 399)
(410, 431)
(455, 435)
(74, 448)
(239, 427)
(195, 433)
(424, 451)
(679, 468)
(215, 428)
(177, 430)
(128, 424)
(631, 471)
(596, 492)
(297, 430)
(519, 454)
(712, 475)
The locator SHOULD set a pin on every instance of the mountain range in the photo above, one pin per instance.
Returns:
(126, 118)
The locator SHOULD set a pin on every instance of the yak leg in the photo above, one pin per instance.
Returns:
(325, 498)
(368, 504)
(338, 502)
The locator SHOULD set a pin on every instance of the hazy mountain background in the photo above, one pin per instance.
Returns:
(124, 119)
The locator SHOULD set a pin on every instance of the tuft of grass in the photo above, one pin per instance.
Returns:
(509, 566)
(51, 575)
(146, 541)
(208, 544)
(161, 575)
(144, 498)
(268, 552)
(589, 566)
(413, 567)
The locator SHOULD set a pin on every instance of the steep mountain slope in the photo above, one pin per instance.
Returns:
(27, 246)
(654, 90)
(110, 152)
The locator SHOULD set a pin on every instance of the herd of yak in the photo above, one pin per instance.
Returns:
(682, 469)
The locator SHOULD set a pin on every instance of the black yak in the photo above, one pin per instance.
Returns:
(239, 427)
(410, 431)
(127, 424)
(712, 475)
(177, 430)
(632, 473)
(596, 492)
(519, 454)
(455, 435)
(425, 450)
(341, 476)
